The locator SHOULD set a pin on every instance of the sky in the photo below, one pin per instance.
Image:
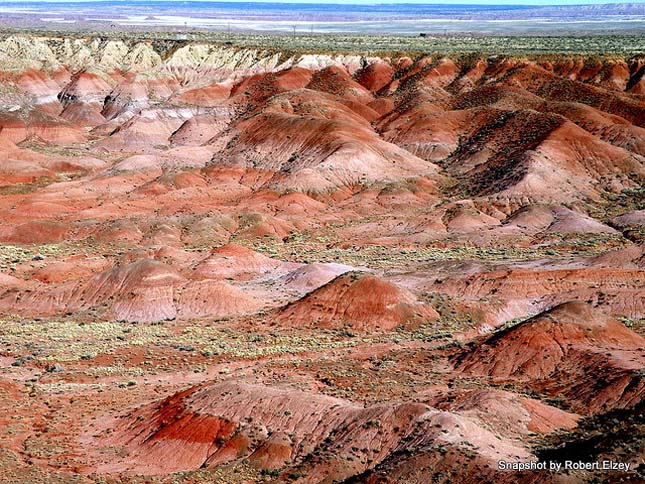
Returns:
(371, 2)
(430, 2)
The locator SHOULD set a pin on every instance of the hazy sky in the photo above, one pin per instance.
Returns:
(444, 2)
(371, 2)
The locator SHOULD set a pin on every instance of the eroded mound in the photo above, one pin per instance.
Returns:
(359, 301)
(235, 262)
(223, 198)
(142, 291)
(574, 349)
(312, 153)
(320, 437)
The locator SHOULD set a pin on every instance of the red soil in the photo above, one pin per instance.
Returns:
(297, 270)
(359, 301)
(217, 424)
(571, 349)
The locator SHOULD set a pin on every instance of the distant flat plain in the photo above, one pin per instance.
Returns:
(400, 19)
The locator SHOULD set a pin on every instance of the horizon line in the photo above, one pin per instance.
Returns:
(475, 3)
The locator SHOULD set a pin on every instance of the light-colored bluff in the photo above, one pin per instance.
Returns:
(50, 53)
